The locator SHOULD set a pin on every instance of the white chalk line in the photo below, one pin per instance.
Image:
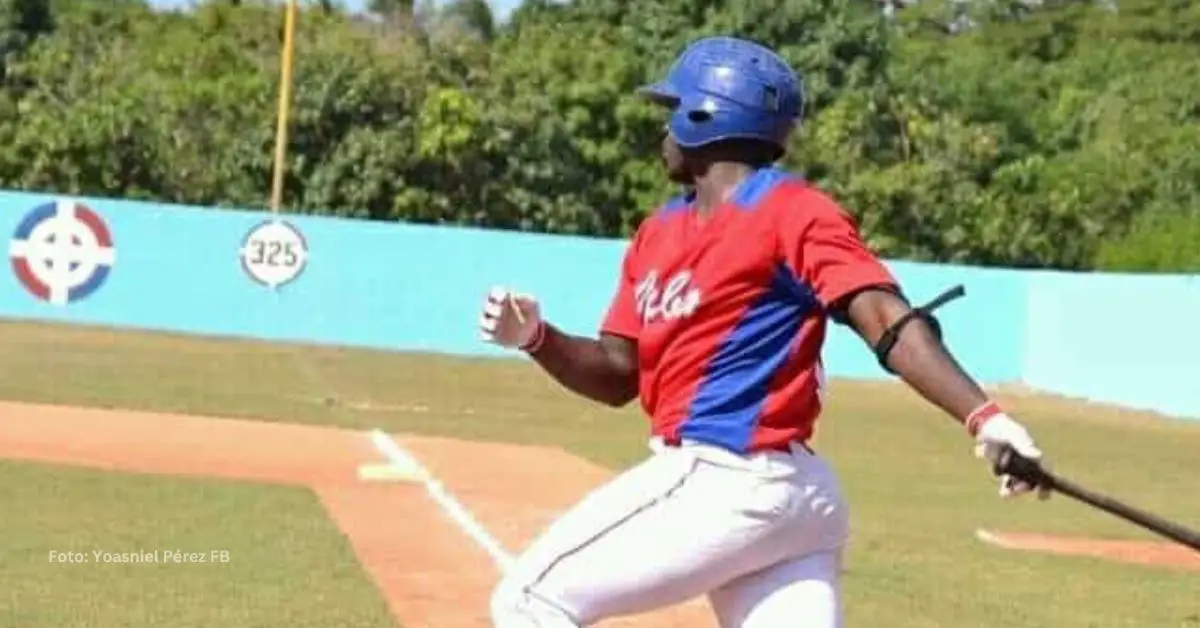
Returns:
(992, 538)
(451, 506)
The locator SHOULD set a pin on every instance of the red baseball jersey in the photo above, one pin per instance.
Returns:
(730, 313)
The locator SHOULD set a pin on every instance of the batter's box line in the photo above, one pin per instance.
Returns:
(453, 508)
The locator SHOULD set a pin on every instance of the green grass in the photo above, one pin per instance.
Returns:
(917, 494)
(288, 564)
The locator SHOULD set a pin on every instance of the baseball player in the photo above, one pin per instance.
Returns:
(717, 324)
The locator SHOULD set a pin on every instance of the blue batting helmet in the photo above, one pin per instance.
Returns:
(723, 88)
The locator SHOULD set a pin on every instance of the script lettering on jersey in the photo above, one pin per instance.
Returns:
(677, 299)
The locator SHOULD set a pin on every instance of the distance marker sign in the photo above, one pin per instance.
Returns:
(274, 253)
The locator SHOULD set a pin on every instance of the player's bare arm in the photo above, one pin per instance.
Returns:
(857, 289)
(919, 357)
(603, 369)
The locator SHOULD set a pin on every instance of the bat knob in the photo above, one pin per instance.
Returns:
(1013, 464)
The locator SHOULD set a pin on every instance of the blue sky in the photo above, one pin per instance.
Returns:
(501, 7)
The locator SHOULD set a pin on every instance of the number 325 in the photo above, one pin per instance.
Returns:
(270, 253)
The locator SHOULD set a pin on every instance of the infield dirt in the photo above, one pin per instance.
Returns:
(430, 573)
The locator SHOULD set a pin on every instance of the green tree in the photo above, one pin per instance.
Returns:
(1055, 135)
(21, 23)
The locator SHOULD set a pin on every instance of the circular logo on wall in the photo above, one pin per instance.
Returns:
(274, 253)
(62, 252)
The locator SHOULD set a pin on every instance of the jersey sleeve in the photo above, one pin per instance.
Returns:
(823, 247)
(622, 317)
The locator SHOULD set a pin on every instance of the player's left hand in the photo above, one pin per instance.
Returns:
(995, 432)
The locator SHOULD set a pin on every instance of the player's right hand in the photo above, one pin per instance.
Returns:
(511, 320)
(995, 430)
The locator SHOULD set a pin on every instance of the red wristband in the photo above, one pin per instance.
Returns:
(980, 415)
(539, 337)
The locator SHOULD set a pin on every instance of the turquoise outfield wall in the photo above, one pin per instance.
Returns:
(418, 288)
(1131, 340)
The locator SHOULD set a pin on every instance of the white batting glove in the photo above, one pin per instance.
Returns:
(993, 430)
(511, 320)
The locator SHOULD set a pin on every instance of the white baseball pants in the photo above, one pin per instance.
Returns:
(760, 535)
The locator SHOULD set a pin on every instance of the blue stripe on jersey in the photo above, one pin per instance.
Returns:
(676, 203)
(751, 192)
(747, 196)
(728, 403)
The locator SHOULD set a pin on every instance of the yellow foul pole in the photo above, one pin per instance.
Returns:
(285, 98)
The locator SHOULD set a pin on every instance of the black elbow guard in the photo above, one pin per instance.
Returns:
(890, 335)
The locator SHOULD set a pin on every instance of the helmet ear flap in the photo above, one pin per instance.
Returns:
(770, 96)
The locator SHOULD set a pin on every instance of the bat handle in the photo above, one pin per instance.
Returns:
(1027, 470)
(1011, 463)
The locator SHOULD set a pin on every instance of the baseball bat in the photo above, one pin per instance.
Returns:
(1011, 463)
